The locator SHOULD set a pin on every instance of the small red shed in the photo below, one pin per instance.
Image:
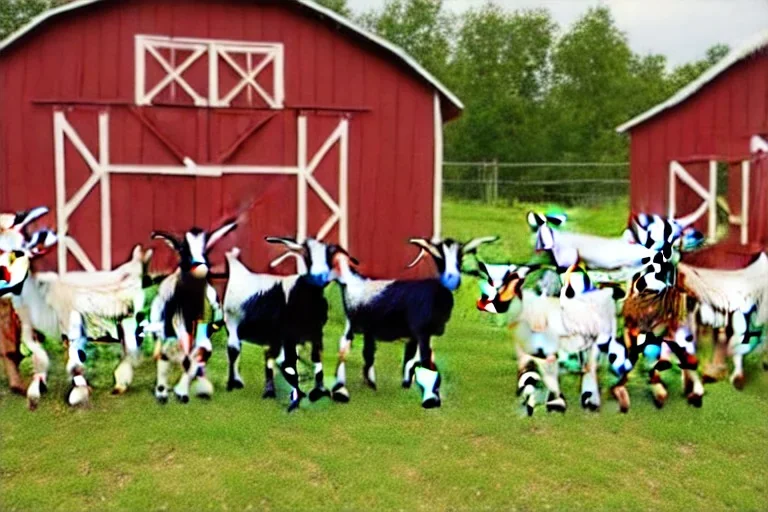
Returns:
(134, 115)
(712, 131)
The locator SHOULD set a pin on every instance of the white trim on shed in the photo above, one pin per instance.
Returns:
(754, 44)
(309, 4)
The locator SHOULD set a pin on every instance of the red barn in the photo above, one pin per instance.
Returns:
(712, 131)
(134, 115)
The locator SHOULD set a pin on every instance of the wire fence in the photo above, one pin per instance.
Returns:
(571, 183)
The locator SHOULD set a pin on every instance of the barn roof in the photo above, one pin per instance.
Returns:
(389, 47)
(754, 44)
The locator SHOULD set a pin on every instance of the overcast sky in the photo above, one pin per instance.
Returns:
(680, 29)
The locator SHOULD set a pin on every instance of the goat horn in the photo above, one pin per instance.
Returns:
(473, 244)
(426, 246)
(422, 252)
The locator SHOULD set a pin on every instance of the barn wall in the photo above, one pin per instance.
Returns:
(718, 120)
(84, 62)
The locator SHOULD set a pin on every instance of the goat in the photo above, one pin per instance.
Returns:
(560, 314)
(734, 303)
(641, 241)
(658, 323)
(388, 310)
(279, 312)
(81, 306)
(177, 314)
(12, 229)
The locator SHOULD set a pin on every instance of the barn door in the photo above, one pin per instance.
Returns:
(227, 167)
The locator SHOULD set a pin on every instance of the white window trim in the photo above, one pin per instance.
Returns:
(214, 50)
(102, 168)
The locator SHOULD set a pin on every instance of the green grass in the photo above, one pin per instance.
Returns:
(382, 451)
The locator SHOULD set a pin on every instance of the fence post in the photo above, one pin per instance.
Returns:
(495, 180)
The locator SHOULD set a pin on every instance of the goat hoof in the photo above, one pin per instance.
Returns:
(659, 403)
(269, 392)
(18, 390)
(623, 409)
(406, 384)
(235, 384)
(695, 400)
(588, 402)
(317, 393)
(294, 405)
(162, 400)
(370, 384)
(119, 390)
(556, 408)
(529, 410)
(340, 393)
(204, 396)
(432, 402)
(738, 382)
(183, 398)
(32, 405)
(708, 379)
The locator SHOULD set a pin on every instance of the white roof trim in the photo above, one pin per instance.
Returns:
(751, 46)
(341, 20)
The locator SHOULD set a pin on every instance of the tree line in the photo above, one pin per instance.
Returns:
(533, 90)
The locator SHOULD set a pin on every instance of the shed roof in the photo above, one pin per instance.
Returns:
(389, 47)
(754, 44)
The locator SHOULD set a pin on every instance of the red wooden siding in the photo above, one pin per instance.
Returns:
(83, 62)
(717, 120)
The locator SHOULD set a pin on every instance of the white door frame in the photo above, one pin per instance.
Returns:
(101, 168)
(709, 198)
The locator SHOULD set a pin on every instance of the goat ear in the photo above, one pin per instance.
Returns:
(556, 219)
(473, 244)
(426, 245)
(25, 217)
(148, 255)
(338, 248)
(291, 243)
(535, 220)
(169, 239)
(219, 233)
(40, 242)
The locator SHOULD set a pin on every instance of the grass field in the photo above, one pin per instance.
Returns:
(382, 451)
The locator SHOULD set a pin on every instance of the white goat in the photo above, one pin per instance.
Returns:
(78, 305)
(735, 304)
(572, 318)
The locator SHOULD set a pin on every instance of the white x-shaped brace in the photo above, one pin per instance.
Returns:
(215, 49)
(174, 75)
(248, 78)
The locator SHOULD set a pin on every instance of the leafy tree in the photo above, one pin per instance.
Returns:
(420, 27)
(501, 70)
(686, 73)
(16, 13)
(340, 6)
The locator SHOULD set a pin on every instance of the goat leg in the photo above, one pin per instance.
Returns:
(291, 375)
(410, 358)
(319, 391)
(340, 393)
(369, 358)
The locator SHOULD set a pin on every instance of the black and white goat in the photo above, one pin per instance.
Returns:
(178, 315)
(279, 312)
(79, 305)
(389, 310)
